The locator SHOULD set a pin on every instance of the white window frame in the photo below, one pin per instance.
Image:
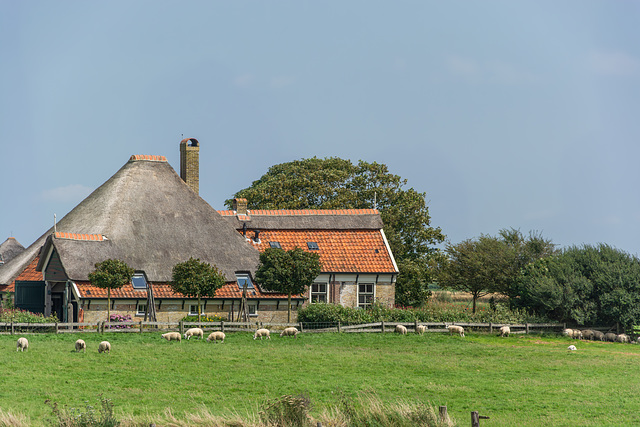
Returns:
(141, 308)
(365, 305)
(316, 293)
(195, 312)
(252, 309)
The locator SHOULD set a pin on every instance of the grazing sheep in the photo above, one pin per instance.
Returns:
(624, 338)
(23, 344)
(457, 329)
(216, 336)
(567, 332)
(610, 336)
(598, 336)
(587, 334)
(262, 333)
(288, 332)
(577, 334)
(401, 330)
(172, 336)
(81, 345)
(421, 329)
(104, 347)
(505, 331)
(194, 331)
(572, 348)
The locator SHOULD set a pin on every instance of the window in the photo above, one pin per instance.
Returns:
(242, 279)
(365, 295)
(193, 309)
(141, 309)
(138, 281)
(253, 309)
(275, 245)
(313, 246)
(319, 292)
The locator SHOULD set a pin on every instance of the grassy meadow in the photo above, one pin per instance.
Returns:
(521, 380)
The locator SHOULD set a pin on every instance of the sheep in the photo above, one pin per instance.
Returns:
(505, 331)
(587, 334)
(598, 336)
(81, 345)
(610, 336)
(624, 338)
(216, 336)
(457, 329)
(194, 331)
(104, 347)
(421, 329)
(172, 336)
(577, 334)
(401, 330)
(23, 344)
(572, 348)
(288, 332)
(262, 333)
(567, 332)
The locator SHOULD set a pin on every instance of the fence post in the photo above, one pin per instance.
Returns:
(443, 414)
(490, 328)
(526, 326)
(415, 325)
(339, 330)
(382, 326)
(56, 327)
(181, 326)
(12, 329)
(301, 327)
(222, 325)
(475, 419)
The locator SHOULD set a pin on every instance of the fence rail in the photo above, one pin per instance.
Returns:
(375, 327)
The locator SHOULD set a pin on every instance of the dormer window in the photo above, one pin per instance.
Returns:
(275, 245)
(313, 246)
(139, 281)
(243, 279)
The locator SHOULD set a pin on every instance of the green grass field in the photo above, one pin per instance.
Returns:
(520, 380)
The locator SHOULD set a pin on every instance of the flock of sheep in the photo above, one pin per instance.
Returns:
(589, 334)
(105, 346)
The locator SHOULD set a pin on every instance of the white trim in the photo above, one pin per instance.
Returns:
(74, 289)
(373, 284)
(386, 243)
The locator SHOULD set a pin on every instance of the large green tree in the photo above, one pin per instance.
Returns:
(334, 183)
(586, 285)
(289, 272)
(196, 279)
(111, 274)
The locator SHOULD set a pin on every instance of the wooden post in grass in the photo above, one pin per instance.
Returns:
(12, 329)
(56, 327)
(222, 326)
(526, 326)
(339, 327)
(490, 328)
(382, 326)
(443, 414)
(181, 326)
(475, 419)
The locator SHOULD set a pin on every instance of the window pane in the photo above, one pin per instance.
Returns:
(138, 282)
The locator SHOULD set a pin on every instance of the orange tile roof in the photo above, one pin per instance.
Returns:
(299, 212)
(29, 274)
(137, 157)
(164, 291)
(341, 251)
(75, 236)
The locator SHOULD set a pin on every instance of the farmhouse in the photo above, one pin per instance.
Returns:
(152, 218)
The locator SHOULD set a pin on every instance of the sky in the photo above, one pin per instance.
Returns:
(505, 114)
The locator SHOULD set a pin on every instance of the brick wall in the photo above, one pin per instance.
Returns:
(190, 163)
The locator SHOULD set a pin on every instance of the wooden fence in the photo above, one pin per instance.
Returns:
(376, 327)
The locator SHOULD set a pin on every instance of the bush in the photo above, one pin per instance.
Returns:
(17, 315)
(120, 318)
(90, 416)
(287, 411)
(209, 318)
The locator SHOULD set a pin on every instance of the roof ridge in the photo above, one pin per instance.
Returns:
(76, 236)
(147, 157)
(303, 212)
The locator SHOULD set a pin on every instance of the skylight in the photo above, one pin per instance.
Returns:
(243, 279)
(138, 281)
(275, 245)
(313, 246)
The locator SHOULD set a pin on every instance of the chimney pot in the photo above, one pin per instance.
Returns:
(240, 206)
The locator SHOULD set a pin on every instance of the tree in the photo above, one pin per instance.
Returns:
(196, 279)
(289, 272)
(334, 183)
(111, 274)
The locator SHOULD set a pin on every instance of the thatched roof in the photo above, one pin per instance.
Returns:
(9, 249)
(151, 220)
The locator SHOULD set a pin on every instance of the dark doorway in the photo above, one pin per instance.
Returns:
(56, 305)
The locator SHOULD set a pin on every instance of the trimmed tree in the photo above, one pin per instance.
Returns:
(289, 272)
(111, 274)
(196, 279)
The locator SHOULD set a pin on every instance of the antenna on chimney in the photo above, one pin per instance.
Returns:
(55, 224)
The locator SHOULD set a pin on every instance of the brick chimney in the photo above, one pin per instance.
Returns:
(240, 206)
(190, 163)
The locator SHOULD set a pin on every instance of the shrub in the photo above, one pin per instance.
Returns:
(90, 416)
(287, 411)
(18, 315)
(208, 318)
(120, 318)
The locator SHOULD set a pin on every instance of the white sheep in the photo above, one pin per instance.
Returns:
(81, 345)
(290, 332)
(194, 332)
(567, 332)
(421, 329)
(624, 338)
(572, 348)
(401, 330)
(23, 344)
(505, 331)
(172, 336)
(457, 329)
(216, 336)
(262, 333)
(104, 347)
(577, 334)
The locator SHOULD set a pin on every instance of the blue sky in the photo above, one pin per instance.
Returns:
(506, 114)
